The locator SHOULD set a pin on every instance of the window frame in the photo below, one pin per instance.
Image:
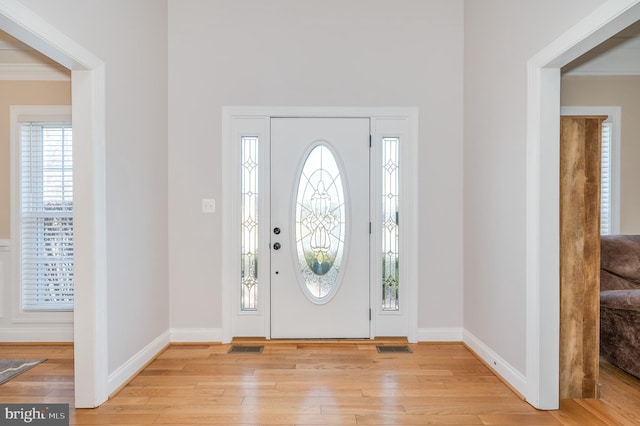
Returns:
(19, 114)
(613, 114)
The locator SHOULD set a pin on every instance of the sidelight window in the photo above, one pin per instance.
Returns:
(249, 224)
(390, 224)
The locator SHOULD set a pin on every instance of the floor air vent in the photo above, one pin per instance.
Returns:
(393, 349)
(246, 349)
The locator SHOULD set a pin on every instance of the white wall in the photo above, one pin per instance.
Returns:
(500, 36)
(312, 53)
(131, 38)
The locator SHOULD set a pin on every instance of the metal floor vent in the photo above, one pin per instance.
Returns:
(246, 349)
(393, 349)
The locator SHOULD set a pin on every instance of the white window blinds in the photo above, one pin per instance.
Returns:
(605, 186)
(46, 222)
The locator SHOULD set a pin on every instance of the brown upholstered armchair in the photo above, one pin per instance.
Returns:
(620, 301)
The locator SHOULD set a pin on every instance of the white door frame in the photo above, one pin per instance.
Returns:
(543, 227)
(255, 121)
(88, 105)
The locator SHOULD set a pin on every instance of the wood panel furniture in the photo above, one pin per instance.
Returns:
(580, 152)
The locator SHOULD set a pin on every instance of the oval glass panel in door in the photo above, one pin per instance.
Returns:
(320, 223)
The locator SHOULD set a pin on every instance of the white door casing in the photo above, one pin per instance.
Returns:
(255, 122)
(320, 228)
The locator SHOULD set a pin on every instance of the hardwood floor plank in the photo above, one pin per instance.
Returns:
(362, 408)
(195, 400)
(608, 414)
(88, 417)
(418, 419)
(471, 407)
(425, 392)
(573, 414)
(310, 393)
(519, 419)
(257, 419)
(176, 393)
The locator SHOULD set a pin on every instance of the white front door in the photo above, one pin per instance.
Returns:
(320, 228)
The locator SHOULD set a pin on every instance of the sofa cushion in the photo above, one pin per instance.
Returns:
(620, 256)
(619, 325)
(628, 300)
(609, 281)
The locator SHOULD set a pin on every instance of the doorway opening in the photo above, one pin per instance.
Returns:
(88, 103)
(542, 192)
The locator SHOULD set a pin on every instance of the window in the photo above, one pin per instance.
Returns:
(390, 228)
(605, 185)
(45, 226)
(320, 223)
(249, 224)
(610, 167)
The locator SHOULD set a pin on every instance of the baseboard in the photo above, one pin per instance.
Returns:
(23, 335)
(196, 335)
(516, 380)
(439, 335)
(132, 367)
(199, 335)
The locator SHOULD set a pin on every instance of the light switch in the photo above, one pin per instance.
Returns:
(208, 205)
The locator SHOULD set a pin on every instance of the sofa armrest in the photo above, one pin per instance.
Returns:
(628, 300)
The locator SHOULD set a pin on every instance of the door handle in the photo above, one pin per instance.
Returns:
(276, 246)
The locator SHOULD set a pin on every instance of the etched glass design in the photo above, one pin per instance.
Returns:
(249, 224)
(390, 232)
(320, 222)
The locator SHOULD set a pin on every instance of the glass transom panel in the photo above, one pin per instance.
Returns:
(320, 223)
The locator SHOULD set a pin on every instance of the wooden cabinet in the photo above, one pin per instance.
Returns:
(580, 152)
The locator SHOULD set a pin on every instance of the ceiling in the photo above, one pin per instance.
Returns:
(619, 55)
(20, 62)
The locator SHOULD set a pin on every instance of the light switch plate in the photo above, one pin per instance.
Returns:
(208, 205)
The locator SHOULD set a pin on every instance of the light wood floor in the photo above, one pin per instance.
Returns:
(314, 383)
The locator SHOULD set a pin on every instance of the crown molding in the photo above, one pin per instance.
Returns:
(47, 72)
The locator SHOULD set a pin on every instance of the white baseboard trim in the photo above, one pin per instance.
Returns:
(199, 335)
(439, 335)
(196, 335)
(126, 371)
(501, 367)
(22, 335)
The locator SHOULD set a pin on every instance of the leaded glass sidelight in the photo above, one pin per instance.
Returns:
(390, 232)
(320, 223)
(249, 224)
